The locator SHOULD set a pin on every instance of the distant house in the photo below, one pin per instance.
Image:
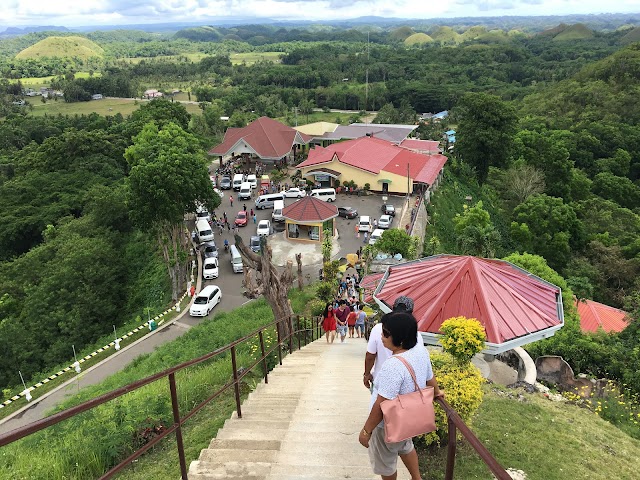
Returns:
(97, 96)
(152, 93)
(450, 136)
(440, 116)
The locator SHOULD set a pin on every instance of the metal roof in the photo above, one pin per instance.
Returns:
(594, 315)
(514, 306)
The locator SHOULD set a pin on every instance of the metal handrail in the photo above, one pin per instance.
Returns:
(169, 373)
(453, 419)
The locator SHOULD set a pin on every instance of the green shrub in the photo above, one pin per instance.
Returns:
(326, 291)
(462, 338)
(462, 385)
(316, 306)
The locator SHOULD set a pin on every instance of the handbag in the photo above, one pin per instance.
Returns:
(409, 414)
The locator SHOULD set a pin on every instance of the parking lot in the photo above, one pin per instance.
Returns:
(231, 283)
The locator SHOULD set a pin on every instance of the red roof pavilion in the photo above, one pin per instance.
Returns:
(309, 209)
(594, 315)
(514, 306)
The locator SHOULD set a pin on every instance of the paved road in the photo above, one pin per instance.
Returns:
(231, 286)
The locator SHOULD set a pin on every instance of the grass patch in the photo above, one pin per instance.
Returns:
(37, 82)
(546, 440)
(314, 117)
(104, 107)
(250, 58)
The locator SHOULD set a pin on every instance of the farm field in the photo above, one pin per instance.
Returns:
(37, 82)
(250, 58)
(106, 106)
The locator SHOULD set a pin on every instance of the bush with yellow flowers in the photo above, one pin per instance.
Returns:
(462, 338)
(457, 376)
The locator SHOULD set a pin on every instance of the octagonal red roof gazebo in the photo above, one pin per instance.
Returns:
(514, 306)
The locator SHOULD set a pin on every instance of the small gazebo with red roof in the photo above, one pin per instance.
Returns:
(308, 218)
(514, 306)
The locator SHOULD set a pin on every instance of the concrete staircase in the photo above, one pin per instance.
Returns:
(303, 424)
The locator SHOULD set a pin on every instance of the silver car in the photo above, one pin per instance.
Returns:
(385, 221)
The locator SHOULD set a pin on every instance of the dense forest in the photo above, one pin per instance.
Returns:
(548, 137)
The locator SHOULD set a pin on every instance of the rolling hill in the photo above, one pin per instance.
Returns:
(62, 47)
(418, 39)
(574, 32)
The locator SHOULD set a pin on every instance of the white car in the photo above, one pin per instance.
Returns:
(253, 180)
(204, 302)
(364, 224)
(219, 192)
(210, 268)
(375, 236)
(294, 193)
(264, 227)
(385, 221)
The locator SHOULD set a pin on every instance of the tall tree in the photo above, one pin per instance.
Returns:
(168, 179)
(485, 132)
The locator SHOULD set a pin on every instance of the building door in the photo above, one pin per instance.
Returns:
(385, 188)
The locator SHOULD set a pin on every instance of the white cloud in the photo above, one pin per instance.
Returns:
(90, 12)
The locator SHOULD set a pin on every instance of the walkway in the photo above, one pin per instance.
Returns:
(303, 424)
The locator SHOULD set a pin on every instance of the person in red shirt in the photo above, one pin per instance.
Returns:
(341, 313)
(329, 323)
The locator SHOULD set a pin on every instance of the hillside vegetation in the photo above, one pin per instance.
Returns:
(70, 47)
(574, 32)
(418, 39)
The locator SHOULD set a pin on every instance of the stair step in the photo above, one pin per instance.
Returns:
(245, 444)
(230, 471)
(220, 456)
(262, 423)
(306, 472)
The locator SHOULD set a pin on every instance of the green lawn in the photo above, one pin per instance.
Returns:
(106, 106)
(546, 440)
(252, 57)
(37, 82)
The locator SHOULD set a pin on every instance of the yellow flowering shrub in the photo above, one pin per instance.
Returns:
(462, 386)
(462, 338)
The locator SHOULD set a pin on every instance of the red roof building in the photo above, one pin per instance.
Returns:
(514, 306)
(428, 147)
(595, 316)
(374, 161)
(266, 138)
(308, 218)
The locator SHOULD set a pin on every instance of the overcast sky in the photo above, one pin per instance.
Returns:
(114, 12)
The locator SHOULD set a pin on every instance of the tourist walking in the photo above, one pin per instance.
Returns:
(244, 207)
(366, 236)
(341, 313)
(351, 322)
(231, 200)
(255, 219)
(329, 323)
(399, 331)
(361, 318)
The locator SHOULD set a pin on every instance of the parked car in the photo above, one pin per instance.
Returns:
(225, 183)
(241, 219)
(364, 224)
(254, 244)
(385, 221)
(264, 227)
(209, 250)
(347, 212)
(295, 192)
(219, 192)
(252, 179)
(210, 268)
(389, 209)
(208, 298)
(375, 236)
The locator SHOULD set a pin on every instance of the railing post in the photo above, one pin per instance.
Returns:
(290, 322)
(451, 449)
(236, 387)
(264, 358)
(298, 330)
(278, 325)
(176, 421)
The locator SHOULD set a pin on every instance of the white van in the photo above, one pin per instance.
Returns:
(364, 224)
(278, 206)
(210, 268)
(236, 259)
(253, 180)
(245, 191)
(266, 201)
(201, 213)
(375, 236)
(208, 298)
(203, 230)
(237, 181)
(326, 194)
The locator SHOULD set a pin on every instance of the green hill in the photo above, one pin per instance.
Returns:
(494, 36)
(62, 47)
(552, 32)
(473, 32)
(446, 36)
(574, 32)
(631, 36)
(401, 34)
(200, 34)
(418, 39)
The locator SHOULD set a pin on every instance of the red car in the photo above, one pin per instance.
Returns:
(241, 219)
